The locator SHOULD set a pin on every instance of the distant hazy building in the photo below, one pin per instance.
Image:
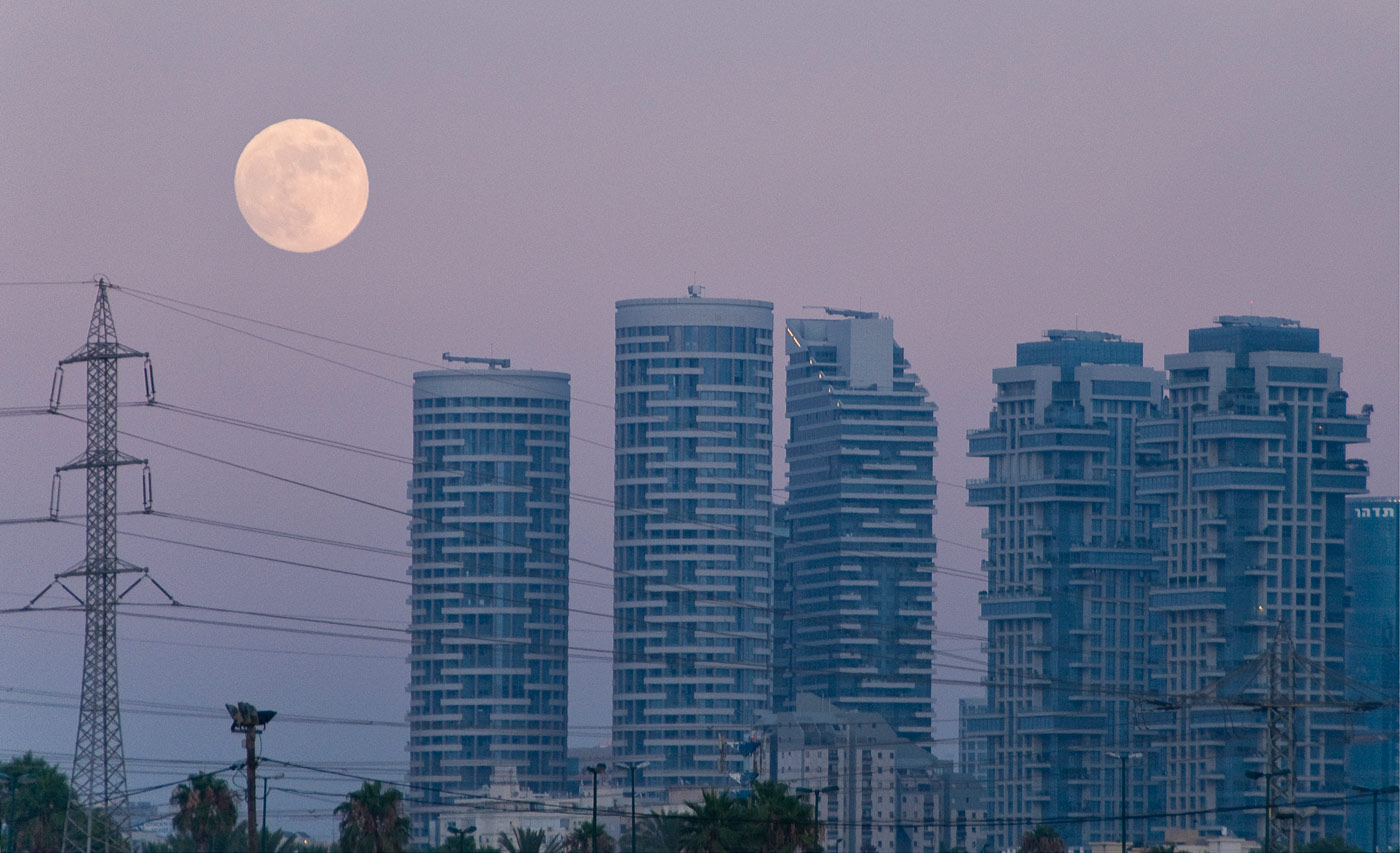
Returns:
(1250, 473)
(972, 748)
(1069, 564)
(880, 792)
(1373, 664)
(858, 557)
(693, 581)
(489, 626)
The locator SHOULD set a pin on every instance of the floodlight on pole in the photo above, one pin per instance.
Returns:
(250, 721)
(632, 767)
(595, 769)
(817, 800)
(1123, 758)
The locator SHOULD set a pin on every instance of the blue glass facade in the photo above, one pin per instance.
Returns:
(857, 565)
(693, 582)
(490, 572)
(1373, 665)
(1249, 473)
(1069, 564)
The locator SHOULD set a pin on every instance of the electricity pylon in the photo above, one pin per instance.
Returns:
(97, 819)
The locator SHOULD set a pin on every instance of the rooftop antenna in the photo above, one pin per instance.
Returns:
(471, 359)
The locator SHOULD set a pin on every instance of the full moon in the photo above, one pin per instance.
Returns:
(301, 185)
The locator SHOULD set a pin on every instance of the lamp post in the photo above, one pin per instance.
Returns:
(460, 836)
(817, 800)
(13, 781)
(631, 767)
(250, 721)
(1268, 775)
(1123, 758)
(1375, 802)
(595, 769)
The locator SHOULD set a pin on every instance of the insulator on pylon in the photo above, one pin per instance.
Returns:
(53, 496)
(56, 390)
(150, 382)
(147, 489)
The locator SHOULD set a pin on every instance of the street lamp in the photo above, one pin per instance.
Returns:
(631, 767)
(1375, 799)
(460, 835)
(595, 769)
(250, 721)
(1268, 776)
(1123, 758)
(817, 800)
(13, 781)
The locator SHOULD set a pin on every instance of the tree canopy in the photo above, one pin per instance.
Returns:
(372, 820)
(39, 797)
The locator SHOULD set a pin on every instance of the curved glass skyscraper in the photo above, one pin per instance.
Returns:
(490, 538)
(694, 556)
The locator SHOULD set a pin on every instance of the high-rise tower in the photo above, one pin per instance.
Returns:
(490, 539)
(1250, 474)
(694, 556)
(1373, 667)
(857, 568)
(1069, 564)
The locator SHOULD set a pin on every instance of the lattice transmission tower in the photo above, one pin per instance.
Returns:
(98, 820)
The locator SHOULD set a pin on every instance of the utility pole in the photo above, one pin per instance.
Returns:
(1123, 759)
(817, 804)
(1375, 806)
(250, 721)
(97, 819)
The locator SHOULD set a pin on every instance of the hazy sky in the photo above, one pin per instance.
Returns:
(978, 172)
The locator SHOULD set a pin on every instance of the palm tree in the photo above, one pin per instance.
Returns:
(207, 807)
(372, 820)
(780, 821)
(588, 838)
(522, 840)
(660, 833)
(715, 825)
(1042, 839)
(35, 796)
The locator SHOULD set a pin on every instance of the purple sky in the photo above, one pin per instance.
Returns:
(978, 172)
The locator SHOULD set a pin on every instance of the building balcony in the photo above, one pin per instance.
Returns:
(1015, 605)
(986, 492)
(1088, 438)
(1238, 477)
(986, 442)
(1062, 489)
(1239, 426)
(1158, 484)
(1348, 476)
(1345, 428)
